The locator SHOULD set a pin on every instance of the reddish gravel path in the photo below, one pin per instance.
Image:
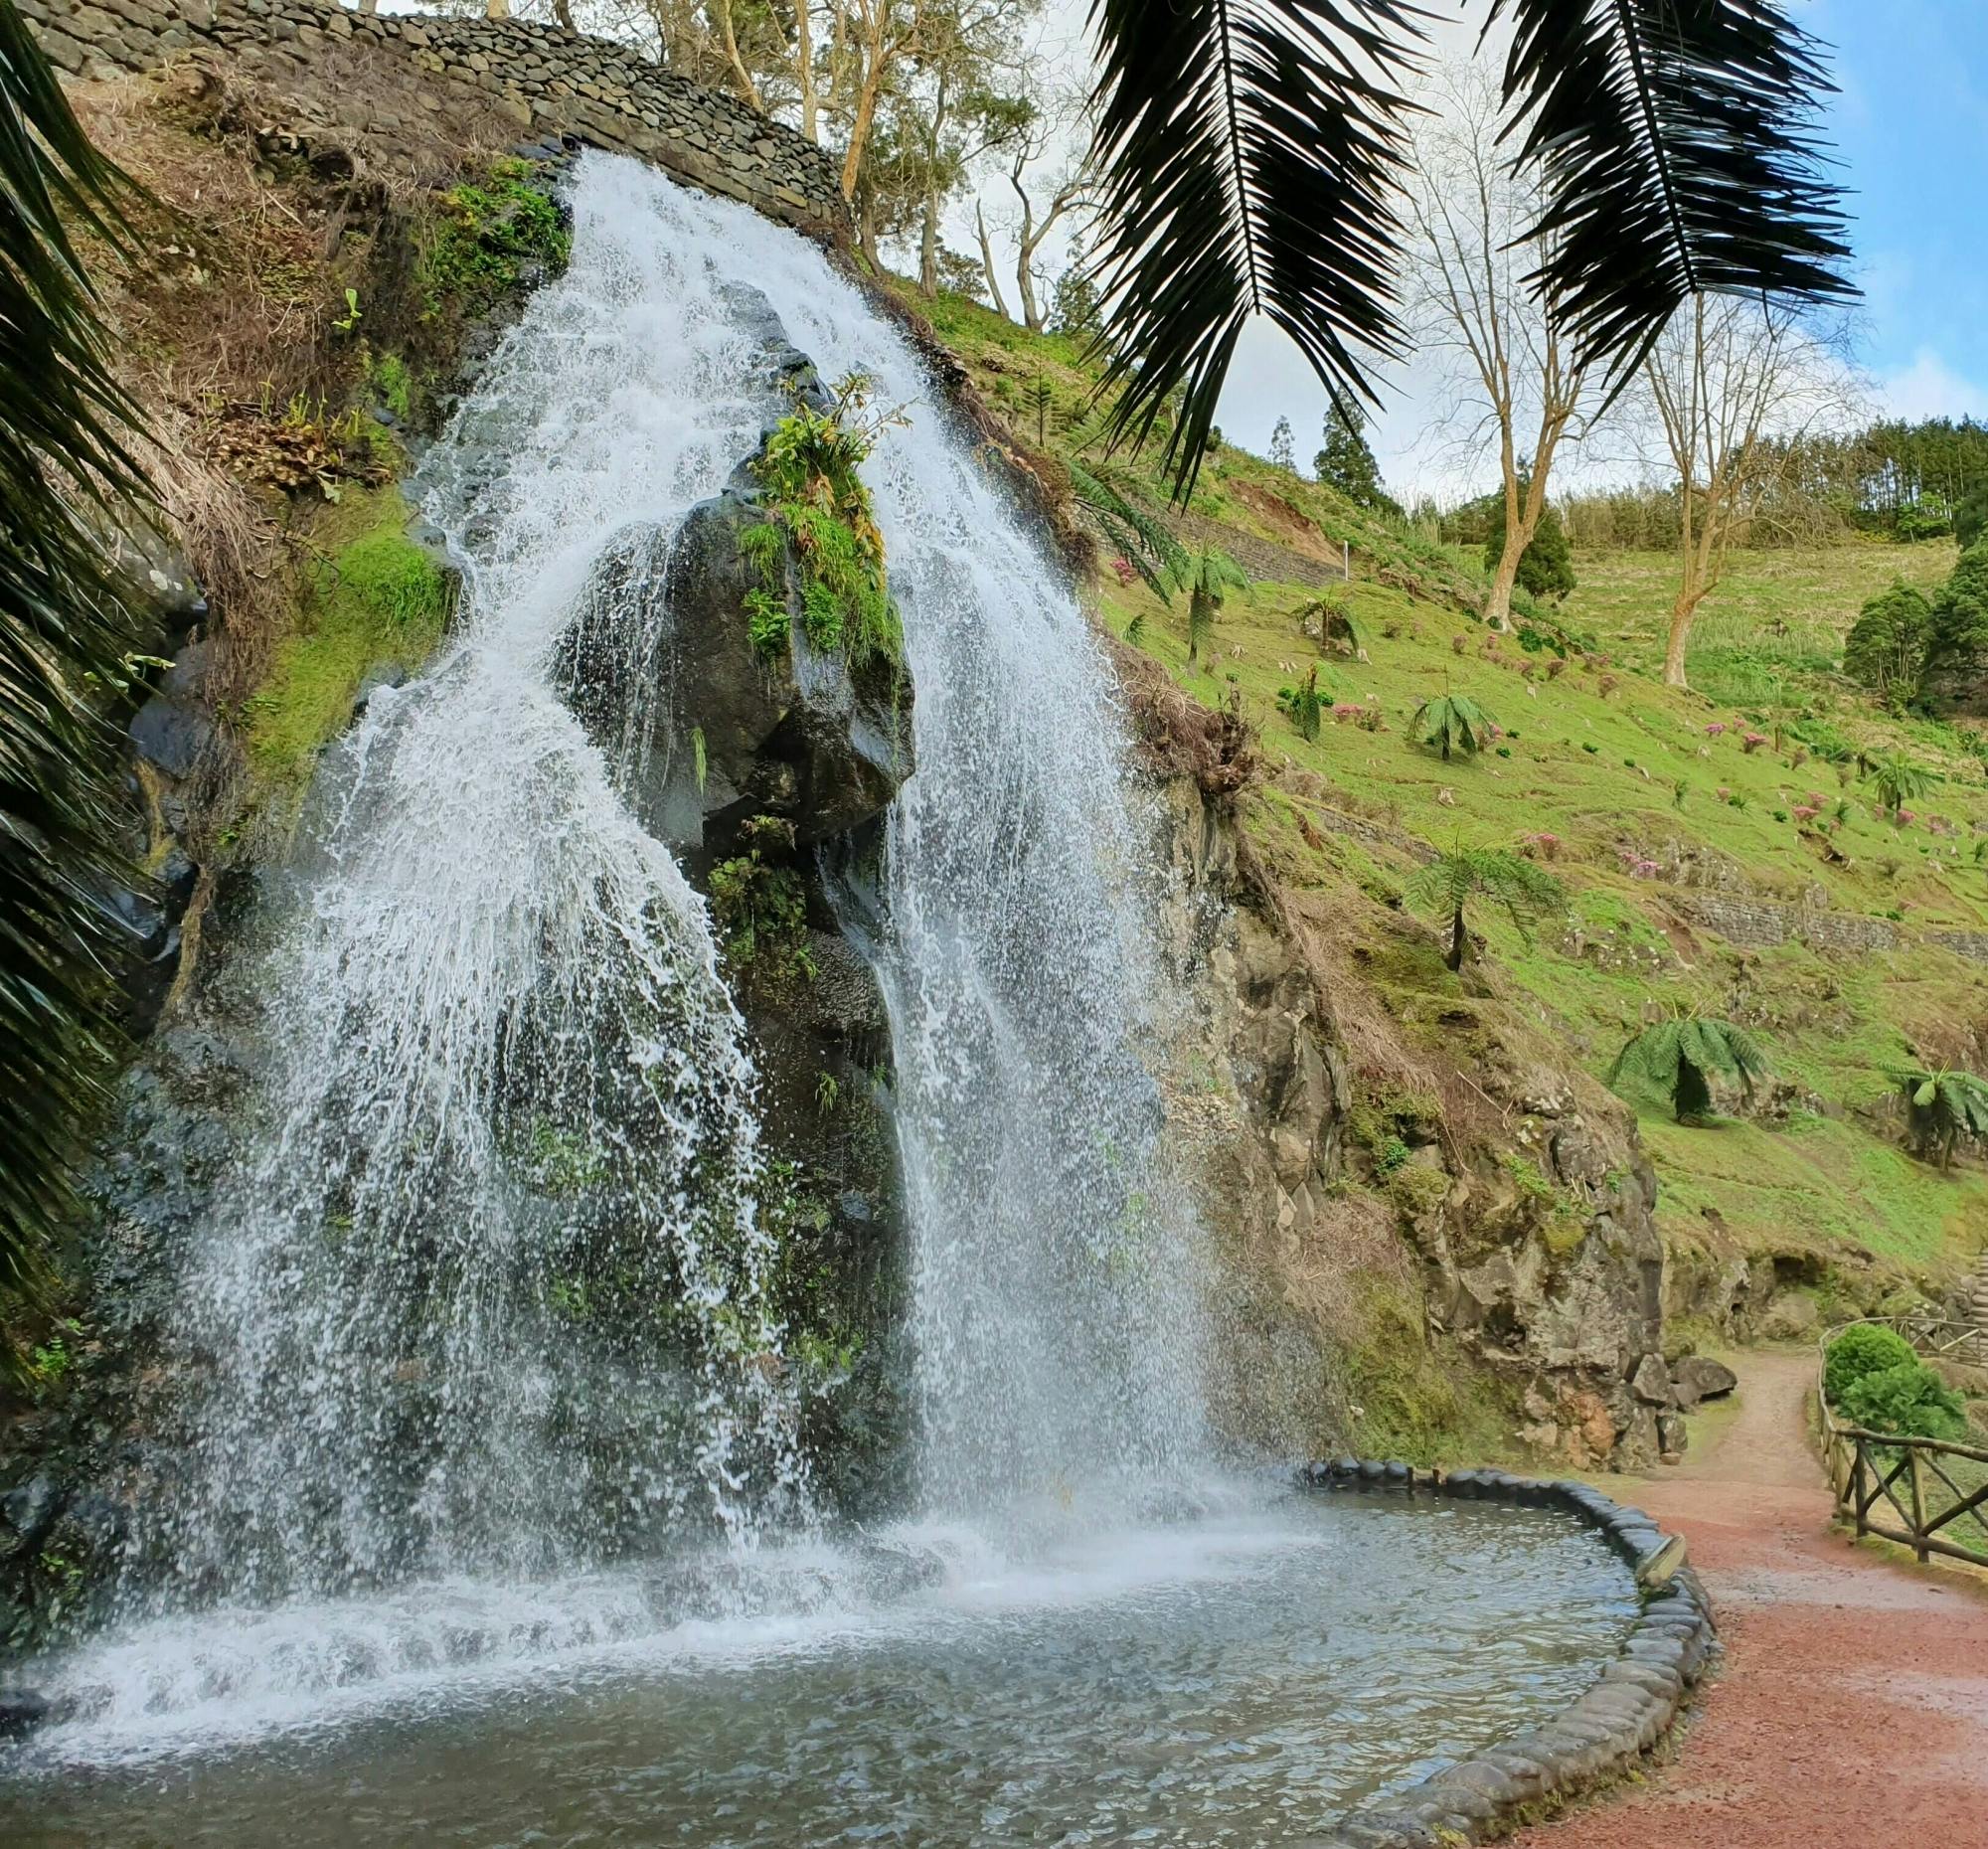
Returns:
(1853, 1705)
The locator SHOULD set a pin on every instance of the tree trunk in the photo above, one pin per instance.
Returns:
(804, 71)
(1498, 599)
(1031, 316)
(928, 247)
(987, 262)
(1459, 941)
(1682, 613)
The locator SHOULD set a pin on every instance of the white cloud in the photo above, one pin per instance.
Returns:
(1929, 388)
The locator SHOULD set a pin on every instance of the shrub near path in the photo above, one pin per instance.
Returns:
(1853, 1703)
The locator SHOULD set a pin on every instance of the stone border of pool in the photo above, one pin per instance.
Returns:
(1631, 1706)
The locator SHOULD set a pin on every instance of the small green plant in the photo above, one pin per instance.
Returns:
(761, 904)
(1590, 749)
(1452, 722)
(820, 511)
(1390, 1157)
(827, 1093)
(1305, 706)
(391, 381)
(1862, 1348)
(1678, 1057)
(350, 318)
(1679, 792)
(700, 759)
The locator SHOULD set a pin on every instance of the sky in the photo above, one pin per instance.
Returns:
(1910, 130)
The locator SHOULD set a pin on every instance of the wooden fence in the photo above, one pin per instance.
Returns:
(1938, 1491)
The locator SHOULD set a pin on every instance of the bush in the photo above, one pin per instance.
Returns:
(1909, 1398)
(1865, 1348)
(1545, 566)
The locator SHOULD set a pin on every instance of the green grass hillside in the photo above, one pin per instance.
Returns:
(1650, 803)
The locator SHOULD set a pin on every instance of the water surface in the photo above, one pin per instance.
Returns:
(1240, 1679)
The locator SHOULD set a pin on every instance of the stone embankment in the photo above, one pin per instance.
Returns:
(1628, 1711)
(553, 84)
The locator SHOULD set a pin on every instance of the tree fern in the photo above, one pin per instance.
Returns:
(1450, 881)
(1210, 575)
(1305, 705)
(1940, 1107)
(1139, 535)
(1679, 1057)
(1452, 722)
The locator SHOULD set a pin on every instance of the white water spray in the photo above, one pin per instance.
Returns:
(501, 1044)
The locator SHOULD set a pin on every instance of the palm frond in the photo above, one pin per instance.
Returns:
(64, 632)
(1675, 139)
(1251, 150)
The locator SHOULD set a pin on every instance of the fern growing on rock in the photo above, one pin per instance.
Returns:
(820, 511)
(1941, 1106)
(1452, 722)
(1679, 1057)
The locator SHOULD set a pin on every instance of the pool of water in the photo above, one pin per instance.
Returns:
(1238, 1677)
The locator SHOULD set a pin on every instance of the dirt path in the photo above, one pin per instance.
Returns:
(1853, 1705)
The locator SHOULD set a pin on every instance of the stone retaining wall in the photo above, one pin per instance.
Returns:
(1630, 1708)
(553, 84)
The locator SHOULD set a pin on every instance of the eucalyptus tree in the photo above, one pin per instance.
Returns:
(1252, 154)
(1513, 376)
(66, 473)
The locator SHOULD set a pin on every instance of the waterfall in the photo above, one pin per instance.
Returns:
(498, 1056)
(500, 1050)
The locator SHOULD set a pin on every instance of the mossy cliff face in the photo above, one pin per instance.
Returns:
(1439, 1256)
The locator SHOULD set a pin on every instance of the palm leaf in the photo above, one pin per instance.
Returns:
(1251, 150)
(1675, 141)
(64, 464)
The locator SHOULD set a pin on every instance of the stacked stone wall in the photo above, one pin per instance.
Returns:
(550, 82)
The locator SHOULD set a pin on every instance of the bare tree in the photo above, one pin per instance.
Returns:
(1053, 139)
(1732, 383)
(1470, 301)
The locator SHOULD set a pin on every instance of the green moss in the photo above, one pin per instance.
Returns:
(376, 601)
(487, 238)
(391, 379)
(1412, 1403)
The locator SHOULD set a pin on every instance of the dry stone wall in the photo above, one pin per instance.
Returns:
(550, 82)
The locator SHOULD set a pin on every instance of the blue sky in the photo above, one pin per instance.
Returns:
(1910, 131)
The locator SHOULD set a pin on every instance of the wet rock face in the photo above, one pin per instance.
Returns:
(769, 773)
(1551, 1288)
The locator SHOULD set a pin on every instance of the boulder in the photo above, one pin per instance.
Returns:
(1651, 1381)
(709, 733)
(1699, 1377)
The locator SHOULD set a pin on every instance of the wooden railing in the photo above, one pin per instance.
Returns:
(1937, 1491)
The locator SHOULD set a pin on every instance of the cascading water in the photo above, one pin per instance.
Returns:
(503, 1063)
(486, 1316)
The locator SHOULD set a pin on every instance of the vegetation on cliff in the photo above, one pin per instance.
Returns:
(1735, 850)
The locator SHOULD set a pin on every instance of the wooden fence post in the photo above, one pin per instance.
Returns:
(1856, 1484)
(1919, 1507)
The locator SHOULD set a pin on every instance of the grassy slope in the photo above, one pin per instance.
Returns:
(1595, 757)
